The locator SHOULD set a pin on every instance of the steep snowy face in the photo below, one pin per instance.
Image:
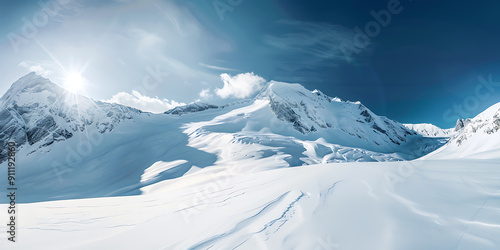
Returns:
(430, 130)
(483, 125)
(312, 112)
(478, 137)
(38, 112)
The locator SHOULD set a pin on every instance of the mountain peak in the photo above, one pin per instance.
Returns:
(29, 80)
(31, 83)
(314, 114)
(37, 112)
(280, 87)
(290, 91)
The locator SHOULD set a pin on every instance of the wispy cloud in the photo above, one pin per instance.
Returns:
(144, 103)
(216, 67)
(240, 86)
(310, 44)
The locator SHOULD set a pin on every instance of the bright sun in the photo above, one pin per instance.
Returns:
(74, 82)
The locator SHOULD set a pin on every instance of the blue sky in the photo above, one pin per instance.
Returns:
(431, 62)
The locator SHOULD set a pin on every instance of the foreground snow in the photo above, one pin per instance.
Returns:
(439, 204)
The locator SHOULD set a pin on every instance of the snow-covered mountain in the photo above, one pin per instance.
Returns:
(298, 126)
(37, 112)
(478, 137)
(190, 108)
(430, 130)
(342, 122)
(79, 142)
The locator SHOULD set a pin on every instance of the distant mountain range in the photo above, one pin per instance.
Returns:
(430, 130)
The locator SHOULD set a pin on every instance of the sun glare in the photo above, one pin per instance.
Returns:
(74, 82)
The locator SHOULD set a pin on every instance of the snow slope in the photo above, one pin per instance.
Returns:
(444, 204)
(477, 138)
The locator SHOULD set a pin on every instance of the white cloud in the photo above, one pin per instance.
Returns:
(144, 103)
(205, 94)
(240, 86)
(36, 68)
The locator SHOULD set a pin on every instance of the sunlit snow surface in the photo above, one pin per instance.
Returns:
(435, 204)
